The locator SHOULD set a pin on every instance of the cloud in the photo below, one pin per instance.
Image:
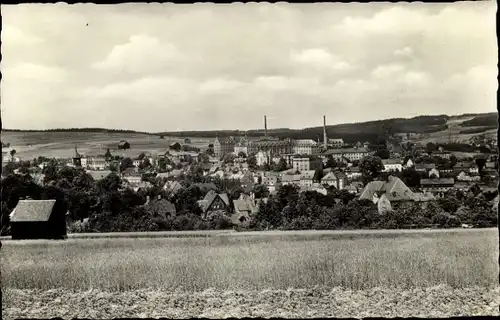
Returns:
(213, 67)
(140, 54)
(406, 52)
(320, 58)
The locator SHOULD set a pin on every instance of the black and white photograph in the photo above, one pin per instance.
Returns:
(249, 160)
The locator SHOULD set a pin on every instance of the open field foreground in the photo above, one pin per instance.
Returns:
(438, 274)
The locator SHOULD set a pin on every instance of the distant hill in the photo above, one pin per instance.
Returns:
(485, 120)
(351, 132)
(90, 130)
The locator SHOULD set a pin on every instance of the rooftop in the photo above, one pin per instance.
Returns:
(32, 210)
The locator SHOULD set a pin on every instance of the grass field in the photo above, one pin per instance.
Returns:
(446, 264)
(62, 144)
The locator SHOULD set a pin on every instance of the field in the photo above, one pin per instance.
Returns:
(266, 274)
(30, 145)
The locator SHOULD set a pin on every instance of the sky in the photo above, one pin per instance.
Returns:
(171, 67)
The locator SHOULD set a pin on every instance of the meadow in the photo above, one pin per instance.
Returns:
(29, 145)
(455, 265)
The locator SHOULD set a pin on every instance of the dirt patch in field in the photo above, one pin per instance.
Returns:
(440, 301)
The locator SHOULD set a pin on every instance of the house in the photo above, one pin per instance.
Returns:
(175, 146)
(123, 145)
(409, 163)
(392, 165)
(336, 143)
(131, 176)
(438, 186)
(304, 146)
(306, 178)
(465, 176)
(98, 163)
(214, 201)
(442, 154)
(354, 187)
(434, 173)
(244, 207)
(269, 180)
(223, 146)
(290, 179)
(316, 188)
(394, 189)
(331, 179)
(98, 174)
(466, 166)
(241, 146)
(175, 173)
(136, 162)
(38, 219)
(172, 186)
(271, 146)
(424, 167)
(353, 173)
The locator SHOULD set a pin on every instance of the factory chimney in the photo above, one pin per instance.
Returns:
(325, 139)
(265, 126)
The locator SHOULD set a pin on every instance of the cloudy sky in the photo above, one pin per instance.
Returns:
(156, 67)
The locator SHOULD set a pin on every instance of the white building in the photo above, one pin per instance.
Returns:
(336, 143)
(306, 146)
(392, 165)
(306, 178)
(262, 158)
(301, 164)
(351, 154)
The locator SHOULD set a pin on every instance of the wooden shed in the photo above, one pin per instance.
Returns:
(38, 219)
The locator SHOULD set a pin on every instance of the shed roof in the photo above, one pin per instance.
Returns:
(439, 181)
(32, 210)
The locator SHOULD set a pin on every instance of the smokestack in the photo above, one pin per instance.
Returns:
(325, 139)
(265, 126)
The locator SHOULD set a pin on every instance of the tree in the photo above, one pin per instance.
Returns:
(480, 163)
(145, 164)
(242, 154)
(126, 163)
(282, 165)
(371, 167)
(203, 158)
(252, 162)
(260, 191)
(108, 155)
(382, 154)
(330, 162)
(430, 147)
(228, 158)
(12, 152)
(141, 156)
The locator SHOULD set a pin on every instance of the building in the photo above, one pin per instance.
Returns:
(272, 146)
(336, 143)
(442, 154)
(307, 178)
(331, 179)
(97, 163)
(392, 165)
(98, 174)
(38, 219)
(262, 158)
(439, 185)
(223, 146)
(172, 186)
(175, 146)
(304, 146)
(131, 176)
(214, 201)
(394, 190)
(353, 173)
(123, 145)
(434, 173)
(306, 163)
(466, 166)
(244, 207)
(241, 146)
(424, 167)
(77, 159)
(290, 179)
(351, 154)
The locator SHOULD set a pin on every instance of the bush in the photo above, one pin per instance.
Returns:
(453, 222)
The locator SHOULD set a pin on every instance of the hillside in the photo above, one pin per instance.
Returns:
(93, 141)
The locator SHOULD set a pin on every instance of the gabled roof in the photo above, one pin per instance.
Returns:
(245, 205)
(438, 181)
(98, 174)
(307, 175)
(32, 210)
(391, 161)
(173, 186)
(209, 185)
(210, 198)
(427, 166)
(394, 189)
(329, 177)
